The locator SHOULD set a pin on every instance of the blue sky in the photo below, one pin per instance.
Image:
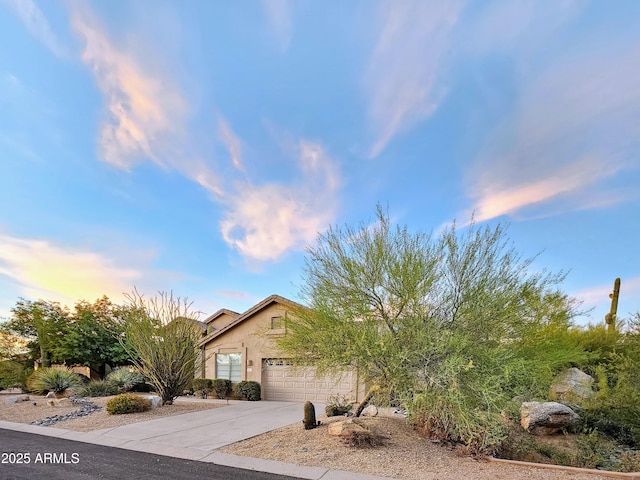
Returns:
(200, 146)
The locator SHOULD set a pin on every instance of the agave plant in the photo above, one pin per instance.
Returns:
(55, 380)
(125, 379)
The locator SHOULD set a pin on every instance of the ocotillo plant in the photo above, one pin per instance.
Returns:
(610, 317)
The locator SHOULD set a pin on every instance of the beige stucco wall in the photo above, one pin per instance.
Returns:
(253, 338)
(221, 321)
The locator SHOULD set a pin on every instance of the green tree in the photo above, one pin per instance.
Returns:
(91, 336)
(41, 323)
(452, 318)
(160, 335)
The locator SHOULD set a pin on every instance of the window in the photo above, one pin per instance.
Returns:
(277, 323)
(229, 366)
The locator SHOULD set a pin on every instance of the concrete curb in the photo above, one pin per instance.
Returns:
(218, 458)
(590, 471)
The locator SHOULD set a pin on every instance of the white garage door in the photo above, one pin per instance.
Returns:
(280, 381)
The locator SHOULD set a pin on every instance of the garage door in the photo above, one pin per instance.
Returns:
(280, 381)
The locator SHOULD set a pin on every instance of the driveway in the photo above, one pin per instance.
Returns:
(210, 429)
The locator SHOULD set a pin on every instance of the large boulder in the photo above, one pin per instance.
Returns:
(155, 400)
(572, 385)
(345, 427)
(546, 418)
(369, 411)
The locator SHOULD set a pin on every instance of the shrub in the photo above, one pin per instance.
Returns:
(447, 418)
(202, 386)
(53, 380)
(127, 403)
(222, 387)
(99, 388)
(12, 374)
(125, 379)
(364, 439)
(338, 405)
(247, 390)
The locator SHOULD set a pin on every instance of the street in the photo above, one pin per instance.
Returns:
(25, 456)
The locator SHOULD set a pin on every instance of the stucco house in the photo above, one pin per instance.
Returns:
(241, 346)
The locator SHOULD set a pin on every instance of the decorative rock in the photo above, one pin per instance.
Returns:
(342, 428)
(87, 408)
(18, 399)
(370, 411)
(61, 402)
(155, 400)
(572, 385)
(546, 418)
(50, 395)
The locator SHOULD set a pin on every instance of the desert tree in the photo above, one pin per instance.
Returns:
(160, 335)
(456, 318)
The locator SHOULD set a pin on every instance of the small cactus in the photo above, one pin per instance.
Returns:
(310, 416)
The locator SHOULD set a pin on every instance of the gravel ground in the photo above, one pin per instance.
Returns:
(37, 408)
(406, 456)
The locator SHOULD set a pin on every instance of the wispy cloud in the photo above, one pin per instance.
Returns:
(232, 143)
(142, 108)
(264, 221)
(45, 270)
(146, 112)
(279, 14)
(404, 77)
(573, 128)
(37, 24)
(146, 120)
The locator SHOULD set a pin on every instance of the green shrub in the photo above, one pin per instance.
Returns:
(447, 418)
(338, 405)
(127, 403)
(125, 379)
(222, 387)
(12, 374)
(202, 386)
(247, 390)
(99, 388)
(54, 380)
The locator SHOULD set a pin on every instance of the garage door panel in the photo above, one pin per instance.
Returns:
(281, 381)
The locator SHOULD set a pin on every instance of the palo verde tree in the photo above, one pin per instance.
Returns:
(160, 335)
(453, 321)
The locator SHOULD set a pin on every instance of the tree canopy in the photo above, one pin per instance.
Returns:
(422, 314)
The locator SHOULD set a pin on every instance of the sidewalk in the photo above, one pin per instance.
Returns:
(201, 434)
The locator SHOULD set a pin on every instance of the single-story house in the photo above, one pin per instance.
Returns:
(241, 346)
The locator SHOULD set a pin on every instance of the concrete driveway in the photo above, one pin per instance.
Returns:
(211, 429)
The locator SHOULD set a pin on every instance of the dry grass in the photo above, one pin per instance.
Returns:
(37, 409)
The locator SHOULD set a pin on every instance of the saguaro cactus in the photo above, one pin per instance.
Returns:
(310, 416)
(610, 317)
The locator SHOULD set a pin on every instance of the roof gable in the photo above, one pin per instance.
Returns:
(250, 313)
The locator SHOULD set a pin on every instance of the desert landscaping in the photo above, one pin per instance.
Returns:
(405, 455)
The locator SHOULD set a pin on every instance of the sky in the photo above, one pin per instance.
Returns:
(198, 147)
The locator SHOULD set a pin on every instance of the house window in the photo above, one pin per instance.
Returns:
(229, 366)
(277, 323)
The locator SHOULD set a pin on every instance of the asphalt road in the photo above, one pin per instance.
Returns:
(53, 458)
